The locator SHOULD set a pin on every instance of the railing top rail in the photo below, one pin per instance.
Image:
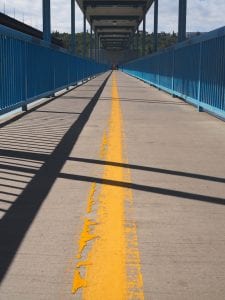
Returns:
(33, 40)
(194, 40)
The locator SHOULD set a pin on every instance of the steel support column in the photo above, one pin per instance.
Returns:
(73, 42)
(46, 14)
(144, 33)
(182, 20)
(156, 25)
(84, 34)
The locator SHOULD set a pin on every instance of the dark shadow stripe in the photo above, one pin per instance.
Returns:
(149, 169)
(145, 188)
(22, 212)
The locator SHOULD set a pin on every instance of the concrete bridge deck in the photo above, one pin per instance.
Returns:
(115, 193)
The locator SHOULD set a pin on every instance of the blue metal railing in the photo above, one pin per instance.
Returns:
(193, 70)
(31, 69)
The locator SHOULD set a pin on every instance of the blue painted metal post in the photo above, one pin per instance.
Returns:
(84, 33)
(173, 71)
(73, 42)
(96, 39)
(91, 40)
(200, 78)
(182, 20)
(138, 42)
(99, 49)
(132, 41)
(46, 12)
(156, 25)
(144, 32)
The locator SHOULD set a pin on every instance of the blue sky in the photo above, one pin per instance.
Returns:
(202, 15)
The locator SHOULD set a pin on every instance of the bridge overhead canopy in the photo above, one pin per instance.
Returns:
(115, 21)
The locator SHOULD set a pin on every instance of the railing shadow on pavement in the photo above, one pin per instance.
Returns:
(30, 172)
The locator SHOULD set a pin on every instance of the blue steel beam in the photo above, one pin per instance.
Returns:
(156, 25)
(73, 42)
(103, 27)
(46, 14)
(182, 20)
(114, 33)
(108, 3)
(115, 17)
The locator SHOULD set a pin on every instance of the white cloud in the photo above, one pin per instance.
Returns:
(29, 11)
(205, 15)
(202, 15)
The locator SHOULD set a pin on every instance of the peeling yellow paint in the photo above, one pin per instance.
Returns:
(103, 149)
(78, 282)
(86, 236)
(112, 263)
(91, 200)
(82, 264)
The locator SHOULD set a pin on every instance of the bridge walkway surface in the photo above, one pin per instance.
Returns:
(114, 190)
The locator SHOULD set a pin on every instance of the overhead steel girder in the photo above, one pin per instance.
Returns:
(113, 42)
(97, 27)
(114, 48)
(105, 44)
(114, 39)
(125, 33)
(114, 3)
(112, 18)
(114, 45)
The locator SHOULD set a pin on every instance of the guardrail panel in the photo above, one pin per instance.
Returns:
(193, 70)
(213, 73)
(30, 69)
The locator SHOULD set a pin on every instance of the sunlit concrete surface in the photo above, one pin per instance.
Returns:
(49, 160)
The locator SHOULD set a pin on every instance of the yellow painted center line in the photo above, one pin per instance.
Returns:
(111, 268)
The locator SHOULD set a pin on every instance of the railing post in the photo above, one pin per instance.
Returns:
(199, 77)
(91, 41)
(24, 106)
(99, 41)
(96, 38)
(68, 72)
(46, 14)
(173, 70)
(54, 73)
(138, 42)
